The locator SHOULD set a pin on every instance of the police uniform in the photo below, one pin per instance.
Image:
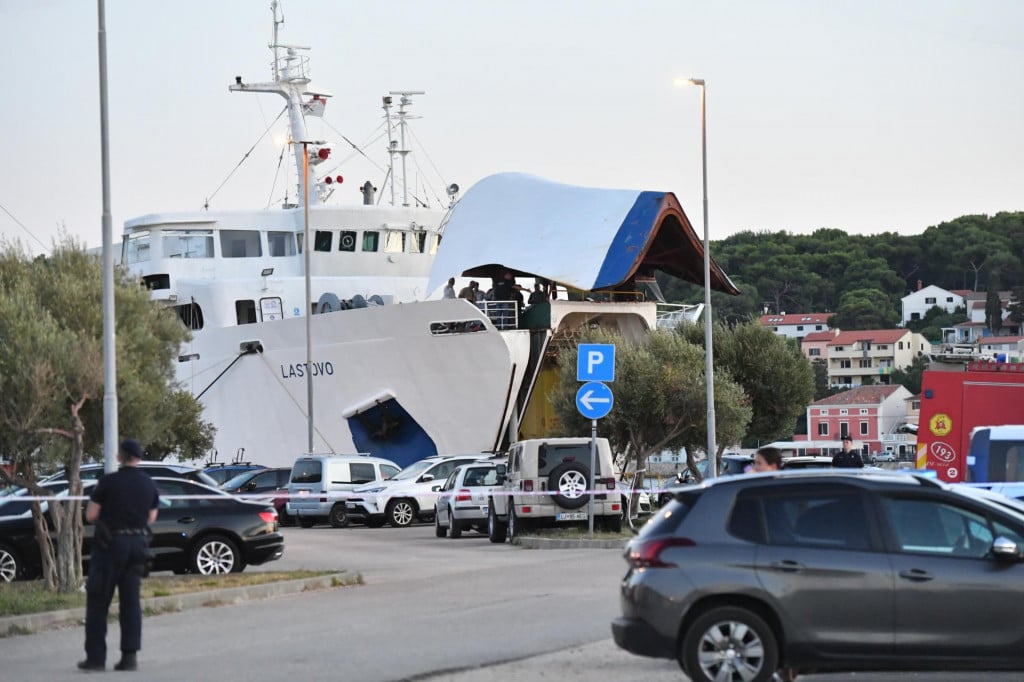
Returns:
(119, 560)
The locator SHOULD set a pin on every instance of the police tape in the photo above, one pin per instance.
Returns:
(346, 495)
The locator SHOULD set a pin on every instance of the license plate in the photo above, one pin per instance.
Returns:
(303, 493)
(571, 516)
(483, 510)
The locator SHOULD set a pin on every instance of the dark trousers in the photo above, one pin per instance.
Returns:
(120, 566)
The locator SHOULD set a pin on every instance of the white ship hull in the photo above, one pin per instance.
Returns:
(453, 391)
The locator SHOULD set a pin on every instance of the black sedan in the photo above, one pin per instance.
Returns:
(199, 530)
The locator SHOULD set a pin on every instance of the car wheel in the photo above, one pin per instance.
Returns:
(284, 518)
(571, 480)
(455, 530)
(400, 513)
(496, 530)
(216, 555)
(439, 530)
(9, 566)
(729, 643)
(338, 518)
(306, 521)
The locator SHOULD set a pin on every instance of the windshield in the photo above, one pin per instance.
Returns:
(413, 470)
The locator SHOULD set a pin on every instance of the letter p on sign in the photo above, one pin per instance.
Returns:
(596, 362)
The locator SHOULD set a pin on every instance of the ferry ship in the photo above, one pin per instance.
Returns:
(320, 326)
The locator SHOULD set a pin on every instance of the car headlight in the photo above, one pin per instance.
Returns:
(372, 491)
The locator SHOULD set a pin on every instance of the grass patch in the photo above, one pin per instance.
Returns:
(578, 533)
(19, 598)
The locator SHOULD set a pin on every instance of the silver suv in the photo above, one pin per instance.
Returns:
(547, 482)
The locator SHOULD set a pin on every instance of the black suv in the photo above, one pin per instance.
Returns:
(826, 570)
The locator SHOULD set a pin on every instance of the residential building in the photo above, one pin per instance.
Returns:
(916, 304)
(976, 328)
(796, 325)
(1011, 346)
(875, 416)
(815, 344)
(855, 356)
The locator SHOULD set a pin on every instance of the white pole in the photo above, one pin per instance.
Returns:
(709, 367)
(307, 249)
(109, 320)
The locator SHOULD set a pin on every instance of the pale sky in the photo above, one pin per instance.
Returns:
(866, 116)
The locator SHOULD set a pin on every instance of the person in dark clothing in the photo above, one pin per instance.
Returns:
(538, 295)
(122, 505)
(848, 458)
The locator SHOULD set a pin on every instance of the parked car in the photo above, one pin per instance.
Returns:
(826, 570)
(199, 529)
(15, 505)
(95, 470)
(220, 472)
(548, 483)
(319, 485)
(406, 497)
(807, 462)
(877, 457)
(462, 499)
(643, 498)
(732, 464)
(268, 484)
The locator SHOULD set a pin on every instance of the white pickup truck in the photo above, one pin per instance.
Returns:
(547, 482)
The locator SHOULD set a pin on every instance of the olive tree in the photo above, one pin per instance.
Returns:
(51, 381)
(660, 398)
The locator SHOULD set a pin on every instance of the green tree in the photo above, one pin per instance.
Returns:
(993, 310)
(865, 309)
(772, 370)
(1016, 307)
(660, 398)
(910, 376)
(51, 356)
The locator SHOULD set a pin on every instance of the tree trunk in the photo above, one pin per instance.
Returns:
(67, 515)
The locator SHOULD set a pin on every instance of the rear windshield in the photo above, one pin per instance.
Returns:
(667, 520)
(307, 471)
(477, 477)
(550, 456)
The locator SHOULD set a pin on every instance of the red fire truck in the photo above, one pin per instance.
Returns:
(954, 404)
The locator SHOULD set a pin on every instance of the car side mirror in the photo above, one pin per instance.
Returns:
(426, 477)
(1004, 548)
(436, 488)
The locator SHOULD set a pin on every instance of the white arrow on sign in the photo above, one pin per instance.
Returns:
(589, 400)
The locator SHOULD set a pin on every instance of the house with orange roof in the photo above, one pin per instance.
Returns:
(875, 416)
(815, 344)
(796, 325)
(857, 356)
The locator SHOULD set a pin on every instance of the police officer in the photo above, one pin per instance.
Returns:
(122, 505)
(848, 458)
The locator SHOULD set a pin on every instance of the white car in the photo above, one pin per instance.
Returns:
(462, 499)
(407, 497)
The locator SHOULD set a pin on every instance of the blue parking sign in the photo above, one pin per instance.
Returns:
(594, 400)
(596, 362)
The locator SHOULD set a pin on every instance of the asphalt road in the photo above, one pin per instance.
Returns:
(430, 609)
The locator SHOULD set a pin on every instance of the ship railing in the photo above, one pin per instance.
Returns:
(671, 315)
(503, 314)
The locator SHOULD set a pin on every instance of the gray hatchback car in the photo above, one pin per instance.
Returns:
(827, 571)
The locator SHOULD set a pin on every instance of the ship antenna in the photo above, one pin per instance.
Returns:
(403, 116)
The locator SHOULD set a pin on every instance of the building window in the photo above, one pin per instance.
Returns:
(900, 347)
(817, 327)
(843, 412)
(865, 363)
(930, 300)
(863, 410)
(949, 299)
(839, 348)
(822, 413)
(799, 327)
(915, 316)
(814, 352)
(822, 428)
(863, 428)
(844, 364)
(882, 347)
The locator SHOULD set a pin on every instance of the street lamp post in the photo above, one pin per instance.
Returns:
(709, 349)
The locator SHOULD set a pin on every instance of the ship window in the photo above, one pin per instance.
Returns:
(240, 244)
(190, 314)
(347, 242)
(394, 241)
(418, 242)
(188, 243)
(435, 241)
(371, 238)
(245, 312)
(281, 243)
(136, 248)
(322, 240)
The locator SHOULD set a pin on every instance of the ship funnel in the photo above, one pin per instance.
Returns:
(368, 191)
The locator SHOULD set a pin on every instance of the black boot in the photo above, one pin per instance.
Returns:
(91, 666)
(127, 661)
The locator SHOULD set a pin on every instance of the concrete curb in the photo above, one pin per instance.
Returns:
(34, 622)
(531, 542)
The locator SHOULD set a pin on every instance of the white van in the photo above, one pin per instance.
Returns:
(318, 482)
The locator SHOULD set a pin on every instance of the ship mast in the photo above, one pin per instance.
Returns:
(290, 71)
